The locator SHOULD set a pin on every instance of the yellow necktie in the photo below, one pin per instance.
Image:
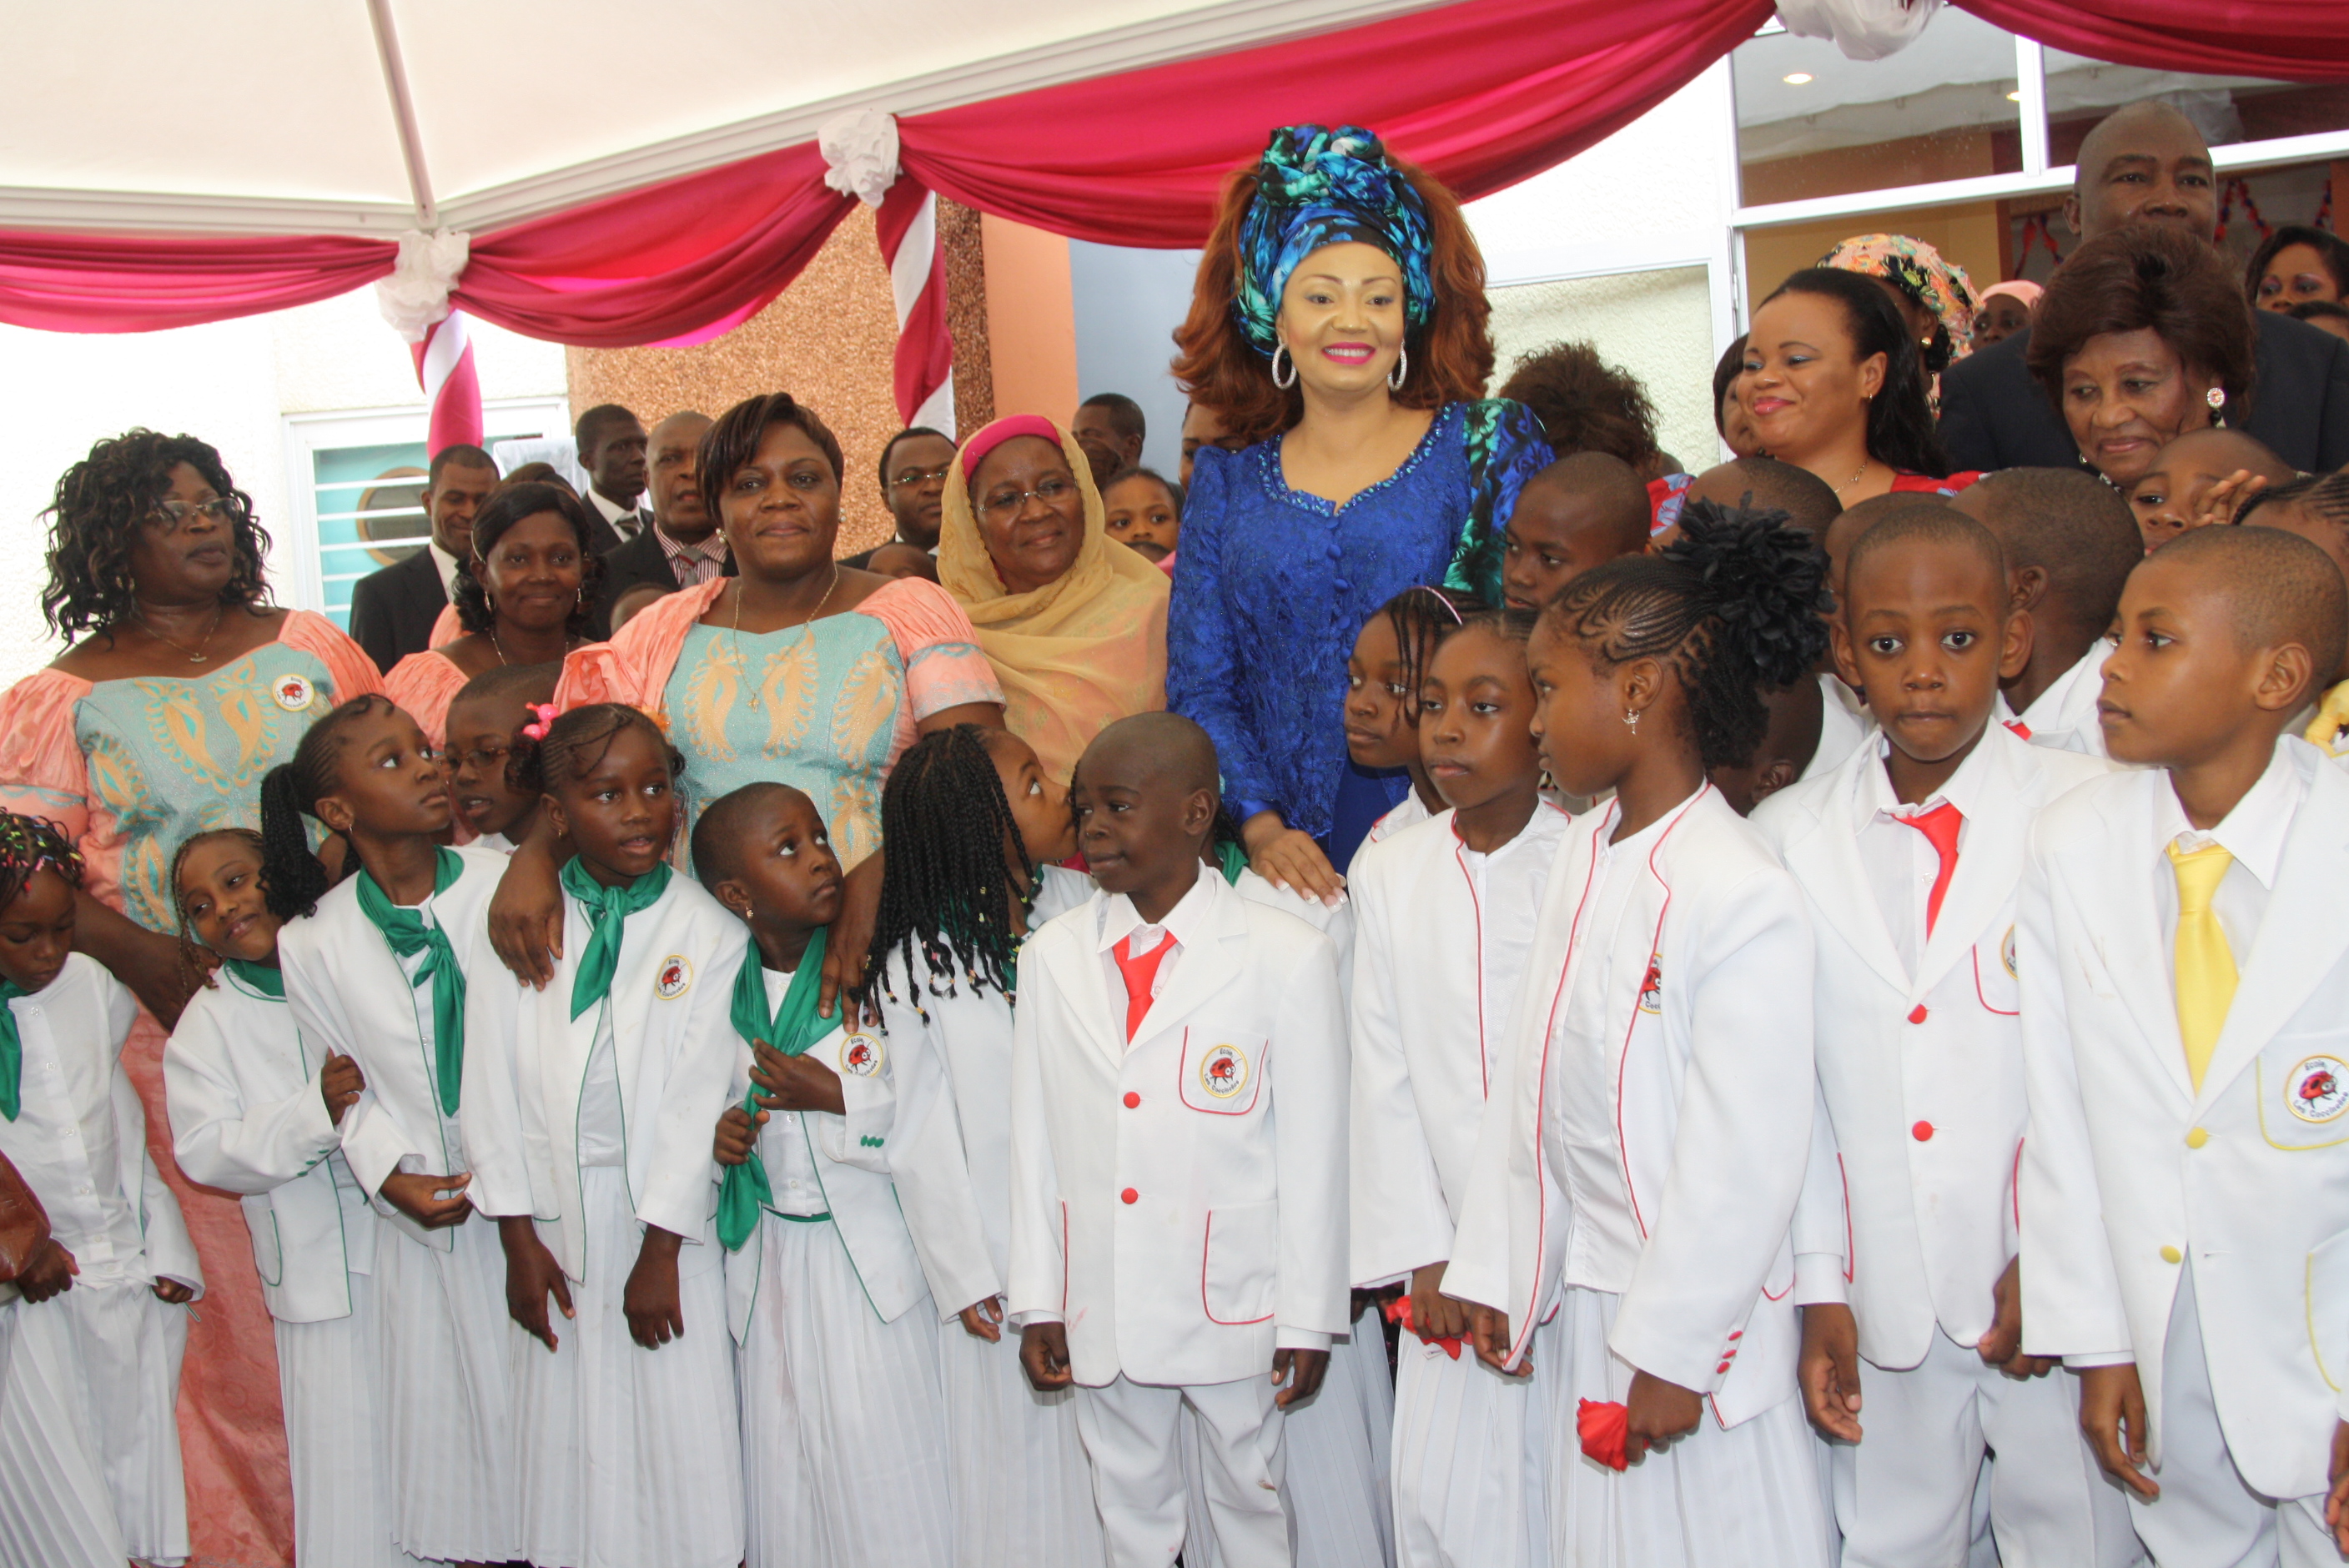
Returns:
(2206, 967)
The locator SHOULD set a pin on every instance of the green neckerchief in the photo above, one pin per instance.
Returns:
(265, 978)
(1231, 858)
(405, 932)
(791, 1029)
(12, 1050)
(608, 908)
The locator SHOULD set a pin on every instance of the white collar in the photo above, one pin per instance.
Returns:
(1872, 795)
(1120, 918)
(444, 564)
(2254, 832)
(613, 511)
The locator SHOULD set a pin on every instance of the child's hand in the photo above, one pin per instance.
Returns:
(1303, 1371)
(173, 1292)
(1433, 1315)
(532, 1275)
(2002, 1345)
(2222, 501)
(2336, 1501)
(795, 1083)
(738, 1135)
(656, 1314)
(1656, 1412)
(339, 1083)
(1044, 1355)
(984, 1319)
(1488, 1335)
(50, 1273)
(1828, 1370)
(420, 1197)
(2112, 1412)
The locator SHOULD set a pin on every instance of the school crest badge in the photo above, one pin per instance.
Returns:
(1651, 988)
(1224, 1072)
(295, 694)
(860, 1053)
(2317, 1090)
(674, 978)
(2006, 954)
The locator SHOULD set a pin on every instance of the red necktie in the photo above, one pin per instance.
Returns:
(2022, 730)
(1940, 827)
(1140, 970)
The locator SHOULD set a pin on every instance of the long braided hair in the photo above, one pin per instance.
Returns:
(950, 882)
(28, 843)
(293, 878)
(1424, 617)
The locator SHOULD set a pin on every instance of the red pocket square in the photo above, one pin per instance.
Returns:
(1606, 1431)
(1398, 1312)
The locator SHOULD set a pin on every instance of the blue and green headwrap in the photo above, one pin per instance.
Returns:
(1318, 186)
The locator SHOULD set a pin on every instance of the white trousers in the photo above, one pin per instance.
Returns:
(2208, 1516)
(1472, 1457)
(1133, 1438)
(89, 1444)
(1905, 1494)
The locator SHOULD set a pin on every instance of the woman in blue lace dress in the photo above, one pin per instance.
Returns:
(1338, 325)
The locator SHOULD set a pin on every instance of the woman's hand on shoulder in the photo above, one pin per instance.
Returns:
(1289, 859)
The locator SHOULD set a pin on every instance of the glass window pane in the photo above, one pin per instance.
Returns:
(1812, 123)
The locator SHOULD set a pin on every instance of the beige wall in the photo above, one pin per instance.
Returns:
(1032, 328)
(1658, 325)
(1966, 234)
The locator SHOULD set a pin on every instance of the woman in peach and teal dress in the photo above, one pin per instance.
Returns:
(183, 685)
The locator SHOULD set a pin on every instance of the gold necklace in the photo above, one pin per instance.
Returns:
(195, 656)
(1856, 477)
(735, 632)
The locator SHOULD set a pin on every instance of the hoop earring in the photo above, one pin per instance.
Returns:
(1277, 350)
(1396, 376)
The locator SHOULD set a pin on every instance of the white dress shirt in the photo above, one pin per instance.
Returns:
(65, 1140)
(626, 520)
(791, 1163)
(446, 565)
(1121, 922)
(2065, 714)
(1901, 860)
(1512, 878)
(2253, 832)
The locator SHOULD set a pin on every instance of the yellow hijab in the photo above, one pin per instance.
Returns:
(1078, 652)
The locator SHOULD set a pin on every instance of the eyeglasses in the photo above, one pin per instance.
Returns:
(910, 477)
(480, 759)
(1049, 490)
(174, 514)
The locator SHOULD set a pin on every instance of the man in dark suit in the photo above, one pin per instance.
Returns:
(611, 444)
(683, 547)
(392, 610)
(914, 485)
(2145, 164)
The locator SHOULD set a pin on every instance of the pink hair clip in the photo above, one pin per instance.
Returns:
(547, 713)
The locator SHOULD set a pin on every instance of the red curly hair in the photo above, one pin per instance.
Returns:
(1451, 356)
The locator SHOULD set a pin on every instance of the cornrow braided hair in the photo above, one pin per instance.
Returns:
(574, 743)
(1422, 616)
(950, 882)
(1511, 626)
(293, 878)
(29, 843)
(192, 967)
(1738, 602)
(95, 516)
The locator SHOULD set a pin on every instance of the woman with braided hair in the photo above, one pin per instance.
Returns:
(974, 826)
(182, 687)
(1338, 325)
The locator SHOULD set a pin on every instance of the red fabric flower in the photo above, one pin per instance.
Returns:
(1606, 1431)
(1398, 1312)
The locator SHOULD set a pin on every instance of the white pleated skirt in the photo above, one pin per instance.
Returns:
(1747, 1494)
(342, 1493)
(844, 1423)
(89, 1442)
(629, 1458)
(1472, 1457)
(1023, 1496)
(444, 1357)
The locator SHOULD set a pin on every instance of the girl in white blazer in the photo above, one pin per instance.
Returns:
(1445, 913)
(257, 1111)
(844, 1425)
(590, 1104)
(1906, 1240)
(1638, 1171)
(375, 975)
(89, 1443)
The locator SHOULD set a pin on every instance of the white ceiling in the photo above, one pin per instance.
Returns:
(282, 115)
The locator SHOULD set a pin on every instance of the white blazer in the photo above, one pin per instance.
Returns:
(1908, 1209)
(1182, 1231)
(351, 997)
(1427, 1036)
(248, 1117)
(2128, 1170)
(1713, 1086)
(673, 1046)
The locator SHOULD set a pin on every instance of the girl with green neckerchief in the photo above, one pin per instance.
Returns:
(842, 1414)
(376, 973)
(588, 1109)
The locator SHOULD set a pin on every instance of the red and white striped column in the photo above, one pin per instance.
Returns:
(908, 225)
(444, 367)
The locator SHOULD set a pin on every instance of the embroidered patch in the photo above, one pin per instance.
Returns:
(1651, 989)
(295, 694)
(674, 978)
(860, 1054)
(2006, 954)
(2317, 1090)
(1224, 1072)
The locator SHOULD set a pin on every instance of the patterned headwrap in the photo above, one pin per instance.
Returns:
(1920, 271)
(1319, 187)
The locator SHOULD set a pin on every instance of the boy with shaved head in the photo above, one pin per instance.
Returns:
(2185, 1189)
(1178, 1158)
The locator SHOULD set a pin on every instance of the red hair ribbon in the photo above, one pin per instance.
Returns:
(547, 713)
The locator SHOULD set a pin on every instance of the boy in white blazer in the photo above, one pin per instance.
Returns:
(1178, 1157)
(1908, 855)
(2185, 1184)
(2069, 542)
